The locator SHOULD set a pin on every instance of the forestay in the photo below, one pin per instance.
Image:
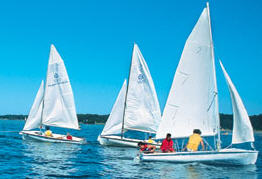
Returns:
(114, 123)
(142, 111)
(34, 118)
(192, 101)
(242, 128)
(59, 106)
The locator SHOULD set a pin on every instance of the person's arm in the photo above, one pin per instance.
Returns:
(203, 146)
(172, 144)
(163, 145)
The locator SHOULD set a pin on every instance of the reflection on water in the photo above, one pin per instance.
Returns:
(118, 162)
(50, 158)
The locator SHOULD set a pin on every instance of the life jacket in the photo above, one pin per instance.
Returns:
(48, 133)
(150, 141)
(69, 137)
(167, 145)
(193, 142)
(144, 148)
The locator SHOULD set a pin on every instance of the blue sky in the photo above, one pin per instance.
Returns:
(95, 39)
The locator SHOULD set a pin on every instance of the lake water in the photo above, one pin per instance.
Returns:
(32, 159)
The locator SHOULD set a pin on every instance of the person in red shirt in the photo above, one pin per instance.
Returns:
(68, 136)
(167, 144)
(146, 148)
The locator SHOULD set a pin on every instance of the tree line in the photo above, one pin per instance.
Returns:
(226, 120)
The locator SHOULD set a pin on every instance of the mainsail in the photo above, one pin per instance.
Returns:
(193, 102)
(142, 110)
(114, 123)
(59, 106)
(34, 118)
(242, 128)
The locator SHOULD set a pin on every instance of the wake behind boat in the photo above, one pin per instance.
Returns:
(193, 104)
(136, 107)
(54, 105)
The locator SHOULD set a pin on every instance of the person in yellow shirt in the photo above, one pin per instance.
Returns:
(48, 132)
(150, 140)
(194, 140)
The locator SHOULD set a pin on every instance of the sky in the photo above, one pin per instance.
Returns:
(95, 39)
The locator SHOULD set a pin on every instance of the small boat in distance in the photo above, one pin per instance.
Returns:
(54, 104)
(136, 107)
(193, 104)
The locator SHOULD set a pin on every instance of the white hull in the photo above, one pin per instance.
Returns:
(58, 138)
(118, 141)
(225, 156)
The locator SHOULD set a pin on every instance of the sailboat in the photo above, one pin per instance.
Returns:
(193, 104)
(136, 107)
(53, 105)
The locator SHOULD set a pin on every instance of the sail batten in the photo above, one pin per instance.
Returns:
(59, 107)
(142, 110)
(242, 128)
(192, 101)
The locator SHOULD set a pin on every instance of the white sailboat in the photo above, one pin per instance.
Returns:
(136, 107)
(54, 104)
(193, 104)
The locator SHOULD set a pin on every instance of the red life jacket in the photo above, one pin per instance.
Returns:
(144, 148)
(167, 145)
(69, 137)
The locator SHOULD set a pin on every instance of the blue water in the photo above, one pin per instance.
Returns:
(32, 159)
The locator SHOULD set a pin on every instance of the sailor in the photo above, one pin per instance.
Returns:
(167, 144)
(146, 148)
(150, 140)
(48, 132)
(68, 136)
(194, 140)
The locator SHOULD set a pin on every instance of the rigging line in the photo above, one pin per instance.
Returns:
(213, 99)
(182, 146)
(207, 144)
(228, 146)
(177, 146)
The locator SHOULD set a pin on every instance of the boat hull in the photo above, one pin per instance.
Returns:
(120, 142)
(224, 156)
(57, 138)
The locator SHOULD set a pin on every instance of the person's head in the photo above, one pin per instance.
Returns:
(197, 131)
(150, 137)
(68, 134)
(168, 136)
(140, 144)
(47, 128)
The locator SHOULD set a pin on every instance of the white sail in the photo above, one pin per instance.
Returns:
(192, 101)
(114, 123)
(242, 128)
(142, 110)
(59, 106)
(34, 118)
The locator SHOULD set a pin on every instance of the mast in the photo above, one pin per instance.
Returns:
(122, 130)
(45, 86)
(214, 70)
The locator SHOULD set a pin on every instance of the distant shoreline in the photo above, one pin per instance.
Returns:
(226, 120)
(82, 118)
